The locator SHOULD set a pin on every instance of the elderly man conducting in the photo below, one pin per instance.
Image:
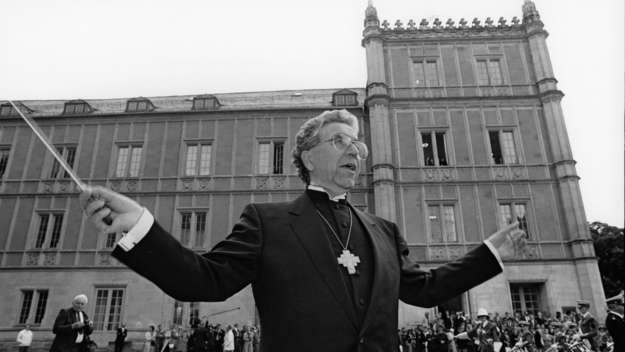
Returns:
(71, 327)
(315, 263)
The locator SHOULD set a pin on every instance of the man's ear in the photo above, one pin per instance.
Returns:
(307, 160)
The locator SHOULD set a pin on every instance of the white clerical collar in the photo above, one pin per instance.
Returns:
(321, 189)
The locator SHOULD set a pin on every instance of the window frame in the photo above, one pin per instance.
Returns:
(56, 168)
(271, 159)
(129, 161)
(513, 204)
(435, 147)
(198, 160)
(135, 103)
(205, 103)
(488, 60)
(441, 205)
(34, 307)
(49, 231)
(106, 323)
(71, 107)
(421, 76)
(192, 240)
(4, 161)
(521, 287)
(500, 140)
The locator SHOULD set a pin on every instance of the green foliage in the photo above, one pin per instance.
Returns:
(608, 241)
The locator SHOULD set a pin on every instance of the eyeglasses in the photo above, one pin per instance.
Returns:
(342, 141)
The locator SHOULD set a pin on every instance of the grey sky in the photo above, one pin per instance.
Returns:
(55, 49)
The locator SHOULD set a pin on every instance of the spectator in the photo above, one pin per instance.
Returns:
(229, 340)
(72, 327)
(24, 338)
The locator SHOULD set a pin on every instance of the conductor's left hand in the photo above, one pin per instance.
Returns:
(510, 241)
(99, 202)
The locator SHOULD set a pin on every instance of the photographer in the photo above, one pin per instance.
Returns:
(72, 328)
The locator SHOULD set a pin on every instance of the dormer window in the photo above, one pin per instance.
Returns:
(139, 105)
(7, 109)
(344, 97)
(76, 107)
(205, 102)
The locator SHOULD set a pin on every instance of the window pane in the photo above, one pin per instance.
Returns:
(419, 74)
(27, 299)
(70, 155)
(494, 70)
(278, 155)
(41, 305)
(54, 172)
(135, 161)
(507, 144)
(200, 228)
(263, 158)
(205, 159)
(185, 228)
(43, 228)
(115, 309)
(194, 313)
(521, 216)
(191, 160)
(122, 161)
(482, 73)
(495, 148)
(4, 160)
(449, 224)
(428, 150)
(178, 312)
(56, 230)
(505, 215)
(435, 223)
(440, 148)
(431, 74)
(111, 238)
(100, 309)
(132, 106)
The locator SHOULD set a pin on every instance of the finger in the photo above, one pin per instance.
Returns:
(510, 227)
(84, 196)
(97, 217)
(93, 206)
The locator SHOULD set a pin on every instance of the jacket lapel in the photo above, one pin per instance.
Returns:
(306, 224)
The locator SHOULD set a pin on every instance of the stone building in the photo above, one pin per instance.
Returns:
(466, 134)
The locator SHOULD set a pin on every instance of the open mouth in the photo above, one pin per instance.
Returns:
(350, 166)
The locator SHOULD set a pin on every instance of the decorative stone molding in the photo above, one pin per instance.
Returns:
(455, 252)
(116, 185)
(437, 253)
(278, 181)
(204, 183)
(32, 258)
(132, 185)
(187, 184)
(104, 259)
(47, 187)
(509, 173)
(438, 175)
(49, 259)
(262, 182)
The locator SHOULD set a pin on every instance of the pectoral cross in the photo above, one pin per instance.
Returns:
(349, 260)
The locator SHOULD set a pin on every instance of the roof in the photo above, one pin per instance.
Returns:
(284, 99)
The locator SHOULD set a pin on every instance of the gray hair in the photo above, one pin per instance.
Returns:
(82, 298)
(308, 136)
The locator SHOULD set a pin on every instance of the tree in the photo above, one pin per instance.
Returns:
(608, 241)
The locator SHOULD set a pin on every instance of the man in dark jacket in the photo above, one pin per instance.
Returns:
(316, 263)
(72, 327)
(614, 321)
(588, 325)
(120, 337)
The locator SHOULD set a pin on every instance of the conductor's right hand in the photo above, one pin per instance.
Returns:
(99, 202)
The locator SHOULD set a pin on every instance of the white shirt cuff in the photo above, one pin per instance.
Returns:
(494, 251)
(137, 232)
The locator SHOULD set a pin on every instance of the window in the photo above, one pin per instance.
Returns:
(193, 228)
(69, 154)
(111, 239)
(344, 97)
(489, 72)
(513, 211)
(108, 308)
(49, 230)
(198, 159)
(128, 161)
(4, 160)
(7, 110)
(178, 312)
(194, 314)
(434, 150)
(74, 107)
(271, 158)
(426, 73)
(205, 102)
(526, 297)
(28, 297)
(442, 220)
(503, 150)
(139, 105)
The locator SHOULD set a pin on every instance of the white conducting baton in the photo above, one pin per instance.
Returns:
(46, 142)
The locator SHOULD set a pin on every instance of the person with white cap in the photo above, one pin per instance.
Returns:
(72, 327)
(485, 333)
(614, 320)
(588, 325)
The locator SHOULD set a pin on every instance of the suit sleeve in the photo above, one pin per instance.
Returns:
(187, 276)
(62, 325)
(429, 288)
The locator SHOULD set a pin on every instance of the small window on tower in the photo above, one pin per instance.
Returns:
(344, 97)
(77, 107)
(206, 102)
(139, 105)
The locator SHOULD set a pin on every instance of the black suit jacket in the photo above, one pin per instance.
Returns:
(65, 336)
(296, 281)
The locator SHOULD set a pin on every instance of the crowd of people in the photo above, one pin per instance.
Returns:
(203, 337)
(575, 331)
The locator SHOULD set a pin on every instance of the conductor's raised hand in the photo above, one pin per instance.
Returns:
(510, 241)
(99, 203)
